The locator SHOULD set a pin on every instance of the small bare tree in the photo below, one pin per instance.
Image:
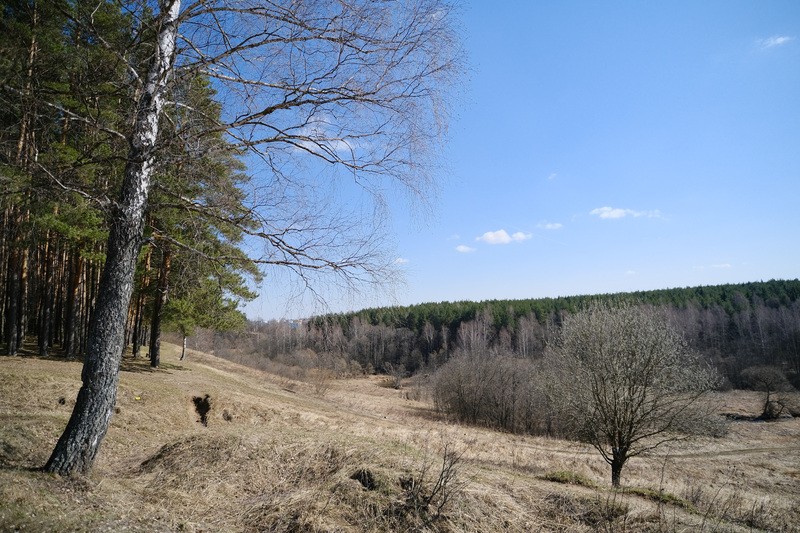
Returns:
(770, 380)
(625, 382)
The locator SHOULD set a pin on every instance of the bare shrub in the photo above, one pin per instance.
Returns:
(321, 379)
(434, 484)
(497, 391)
(396, 374)
(771, 381)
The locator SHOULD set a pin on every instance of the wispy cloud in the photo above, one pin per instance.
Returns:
(630, 272)
(464, 249)
(552, 176)
(502, 237)
(774, 41)
(616, 212)
(401, 261)
(550, 225)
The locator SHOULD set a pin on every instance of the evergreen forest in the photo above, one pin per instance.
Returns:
(734, 327)
(65, 116)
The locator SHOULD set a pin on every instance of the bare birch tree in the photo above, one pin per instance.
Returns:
(91, 416)
(316, 95)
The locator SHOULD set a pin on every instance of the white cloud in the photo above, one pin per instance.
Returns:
(716, 266)
(775, 40)
(463, 249)
(502, 237)
(319, 134)
(617, 212)
(401, 261)
(550, 225)
(630, 272)
(552, 176)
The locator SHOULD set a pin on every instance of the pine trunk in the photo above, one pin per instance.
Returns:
(76, 449)
(12, 301)
(158, 307)
(45, 307)
(140, 304)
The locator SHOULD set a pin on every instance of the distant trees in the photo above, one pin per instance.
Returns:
(624, 382)
(731, 326)
(424, 337)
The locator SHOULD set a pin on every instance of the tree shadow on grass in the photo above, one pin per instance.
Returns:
(30, 350)
(142, 365)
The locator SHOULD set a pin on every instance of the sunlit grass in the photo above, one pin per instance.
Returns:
(281, 454)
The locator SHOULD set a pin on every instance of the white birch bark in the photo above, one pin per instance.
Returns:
(79, 444)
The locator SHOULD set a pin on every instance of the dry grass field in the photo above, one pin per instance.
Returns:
(353, 455)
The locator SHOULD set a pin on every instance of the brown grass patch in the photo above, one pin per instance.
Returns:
(330, 456)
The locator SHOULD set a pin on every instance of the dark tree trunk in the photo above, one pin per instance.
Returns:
(617, 462)
(77, 447)
(80, 442)
(22, 305)
(12, 302)
(158, 307)
(46, 306)
(138, 321)
(71, 324)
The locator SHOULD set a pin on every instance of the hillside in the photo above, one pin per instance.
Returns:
(354, 455)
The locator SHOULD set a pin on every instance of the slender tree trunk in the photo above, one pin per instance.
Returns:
(158, 307)
(72, 307)
(139, 319)
(4, 258)
(24, 282)
(183, 348)
(12, 301)
(46, 306)
(76, 449)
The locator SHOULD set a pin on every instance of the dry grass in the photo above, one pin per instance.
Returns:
(337, 455)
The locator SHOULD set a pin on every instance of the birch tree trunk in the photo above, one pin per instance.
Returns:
(76, 449)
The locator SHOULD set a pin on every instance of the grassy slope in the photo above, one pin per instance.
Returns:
(283, 459)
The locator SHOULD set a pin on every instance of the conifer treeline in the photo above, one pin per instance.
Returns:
(64, 104)
(734, 326)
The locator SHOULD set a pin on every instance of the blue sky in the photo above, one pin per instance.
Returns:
(609, 146)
